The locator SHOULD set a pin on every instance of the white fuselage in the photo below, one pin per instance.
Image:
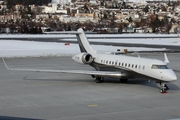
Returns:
(125, 66)
(155, 69)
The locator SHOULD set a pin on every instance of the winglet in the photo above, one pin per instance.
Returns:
(166, 58)
(5, 64)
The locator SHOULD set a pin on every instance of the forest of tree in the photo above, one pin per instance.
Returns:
(11, 3)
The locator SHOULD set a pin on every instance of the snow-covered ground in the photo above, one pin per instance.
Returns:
(12, 36)
(15, 48)
(152, 41)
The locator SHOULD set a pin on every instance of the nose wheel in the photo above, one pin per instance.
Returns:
(163, 87)
(163, 91)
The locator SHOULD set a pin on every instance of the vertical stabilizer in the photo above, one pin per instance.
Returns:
(84, 43)
(166, 60)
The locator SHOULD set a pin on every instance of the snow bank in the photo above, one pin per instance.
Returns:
(15, 48)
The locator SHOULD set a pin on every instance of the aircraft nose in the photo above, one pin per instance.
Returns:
(172, 76)
(169, 76)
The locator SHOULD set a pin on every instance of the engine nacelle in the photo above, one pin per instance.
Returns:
(83, 58)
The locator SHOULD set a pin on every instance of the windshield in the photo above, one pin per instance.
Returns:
(160, 67)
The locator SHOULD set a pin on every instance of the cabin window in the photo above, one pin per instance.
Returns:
(136, 66)
(119, 63)
(139, 66)
(129, 65)
(125, 64)
(132, 65)
(160, 67)
(143, 67)
(106, 62)
(109, 62)
(112, 63)
(122, 64)
(116, 63)
(101, 61)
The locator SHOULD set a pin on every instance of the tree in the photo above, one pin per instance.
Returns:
(105, 16)
(11, 3)
(146, 9)
(124, 5)
(167, 24)
(130, 19)
(86, 8)
(156, 23)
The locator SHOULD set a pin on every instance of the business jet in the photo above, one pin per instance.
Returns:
(116, 66)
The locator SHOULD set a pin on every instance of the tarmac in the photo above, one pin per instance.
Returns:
(53, 96)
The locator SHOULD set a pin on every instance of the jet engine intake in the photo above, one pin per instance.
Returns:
(83, 58)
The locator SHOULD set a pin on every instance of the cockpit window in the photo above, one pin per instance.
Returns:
(160, 67)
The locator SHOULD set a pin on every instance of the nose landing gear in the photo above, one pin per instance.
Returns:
(163, 87)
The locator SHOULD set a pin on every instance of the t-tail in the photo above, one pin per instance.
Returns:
(84, 44)
(87, 52)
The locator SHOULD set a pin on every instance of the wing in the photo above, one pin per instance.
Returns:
(100, 73)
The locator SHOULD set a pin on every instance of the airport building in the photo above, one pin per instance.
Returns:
(155, 1)
(62, 2)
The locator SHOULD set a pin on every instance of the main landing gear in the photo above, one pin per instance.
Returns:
(99, 79)
(163, 87)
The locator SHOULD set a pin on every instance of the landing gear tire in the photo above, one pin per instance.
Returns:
(163, 91)
(99, 79)
(163, 87)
